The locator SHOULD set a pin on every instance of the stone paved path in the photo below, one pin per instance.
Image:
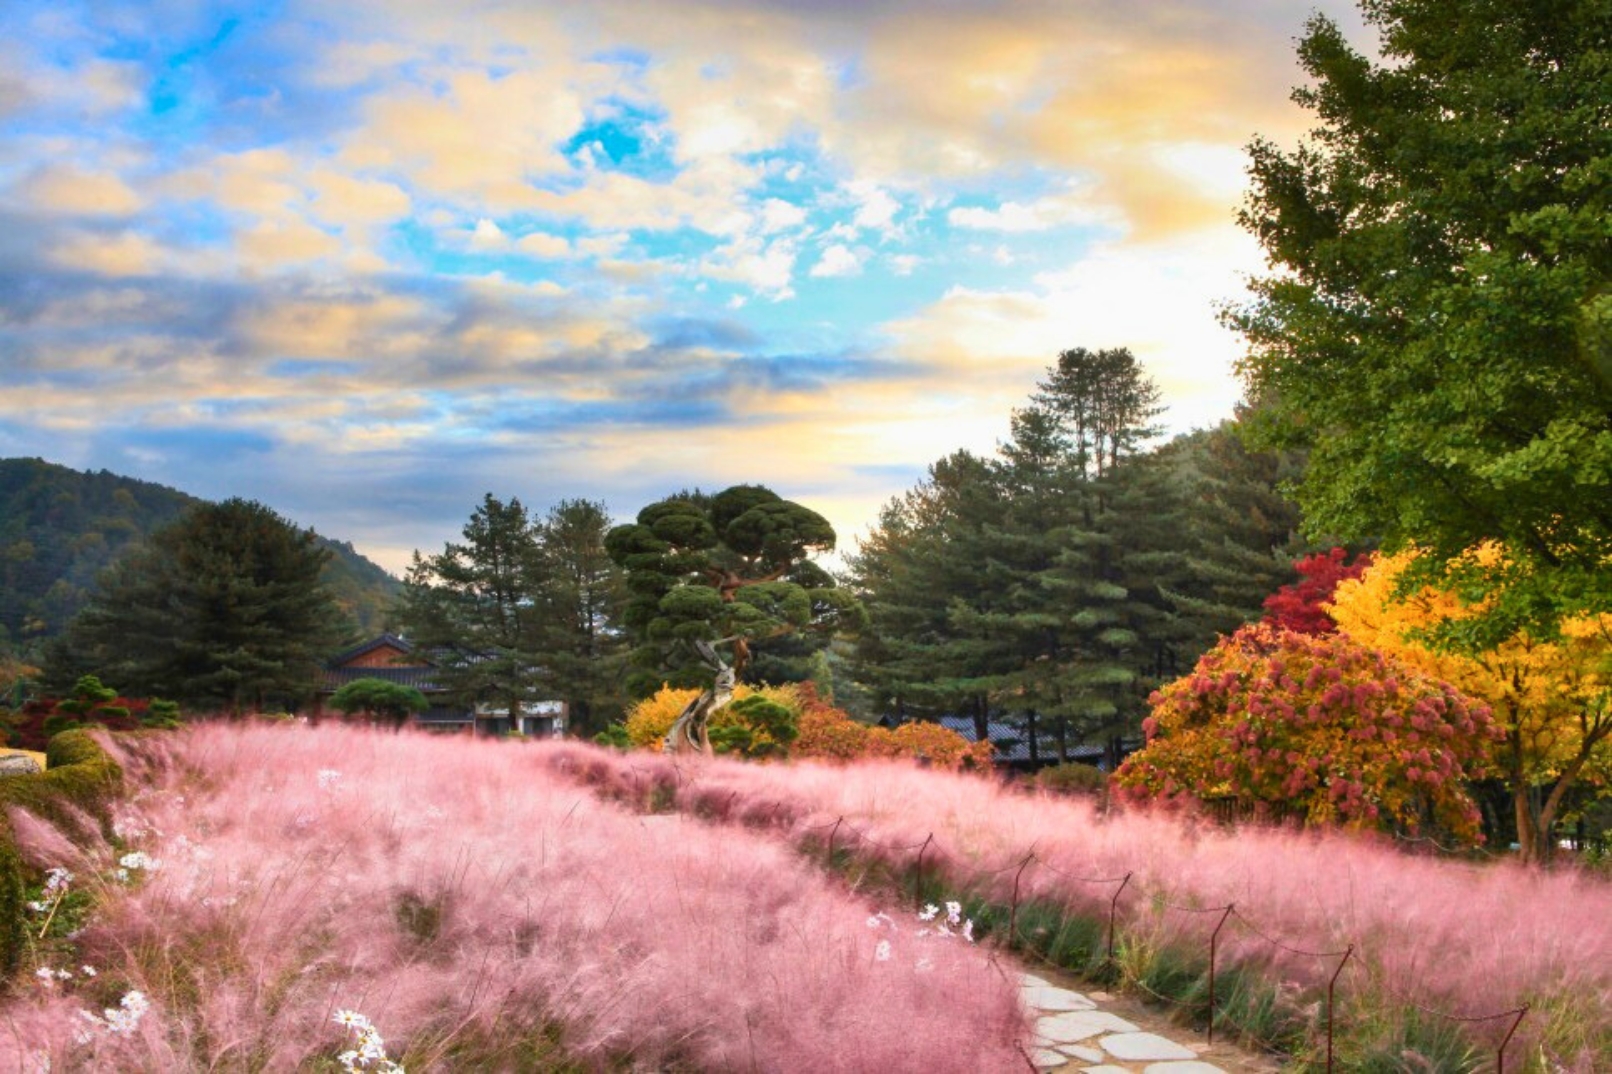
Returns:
(1081, 1032)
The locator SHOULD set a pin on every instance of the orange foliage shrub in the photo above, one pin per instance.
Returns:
(830, 734)
(827, 733)
(939, 746)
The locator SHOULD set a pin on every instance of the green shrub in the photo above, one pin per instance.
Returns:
(614, 735)
(79, 778)
(58, 722)
(1072, 778)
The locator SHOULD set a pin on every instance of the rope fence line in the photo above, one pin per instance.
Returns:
(1028, 944)
(1242, 920)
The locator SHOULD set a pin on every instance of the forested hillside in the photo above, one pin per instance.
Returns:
(60, 527)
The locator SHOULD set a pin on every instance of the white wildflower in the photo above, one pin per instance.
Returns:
(139, 859)
(929, 912)
(88, 971)
(882, 952)
(954, 913)
(125, 1018)
(371, 1048)
(351, 1020)
(968, 930)
(46, 974)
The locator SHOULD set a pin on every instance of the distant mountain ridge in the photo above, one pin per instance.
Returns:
(60, 527)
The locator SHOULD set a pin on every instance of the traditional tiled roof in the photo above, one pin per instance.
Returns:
(394, 641)
(422, 679)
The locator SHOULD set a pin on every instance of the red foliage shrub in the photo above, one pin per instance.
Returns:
(1319, 726)
(1298, 607)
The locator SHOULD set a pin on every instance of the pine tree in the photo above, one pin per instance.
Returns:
(474, 606)
(734, 566)
(223, 607)
(581, 594)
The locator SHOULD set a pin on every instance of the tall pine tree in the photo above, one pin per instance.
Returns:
(474, 606)
(223, 608)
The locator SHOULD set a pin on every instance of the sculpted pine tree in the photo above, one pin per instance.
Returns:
(732, 567)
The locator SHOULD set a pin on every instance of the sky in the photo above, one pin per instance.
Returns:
(369, 261)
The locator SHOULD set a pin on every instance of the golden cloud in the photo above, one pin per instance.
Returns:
(63, 188)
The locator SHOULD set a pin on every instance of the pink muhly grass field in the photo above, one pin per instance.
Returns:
(1460, 938)
(474, 908)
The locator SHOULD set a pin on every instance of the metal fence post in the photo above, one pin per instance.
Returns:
(1113, 909)
(1500, 1057)
(1214, 940)
(1331, 1005)
(918, 876)
(1013, 910)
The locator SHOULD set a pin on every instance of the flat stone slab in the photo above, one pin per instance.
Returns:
(1052, 998)
(1082, 1053)
(1074, 1026)
(1141, 1047)
(1047, 1059)
(1030, 980)
(1191, 1066)
(1106, 1068)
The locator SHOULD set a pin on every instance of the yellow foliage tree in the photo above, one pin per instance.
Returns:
(1552, 698)
(649, 720)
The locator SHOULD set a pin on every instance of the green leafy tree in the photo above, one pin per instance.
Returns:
(736, 565)
(377, 697)
(223, 608)
(1438, 325)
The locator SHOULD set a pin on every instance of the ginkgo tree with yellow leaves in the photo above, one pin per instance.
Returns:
(1552, 697)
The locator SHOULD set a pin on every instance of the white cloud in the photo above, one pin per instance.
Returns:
(1158, 299)
(904, 264)
(838, 260)
(540, 244)
(766, 269)
(1074, 206)
(875, 209)
(780, 215)
(487, 235)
